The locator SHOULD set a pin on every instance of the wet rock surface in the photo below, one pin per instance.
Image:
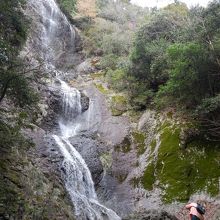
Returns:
(90, 149)
(52, 111)
(84, 102)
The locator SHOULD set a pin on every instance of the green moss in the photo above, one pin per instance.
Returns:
(118, 105)
(97, 75)
(116, 112)
(164, 125)
(124, 147)
(153, 145)
(101, 88)
(148, 178)
(139, 141)
(183, 172)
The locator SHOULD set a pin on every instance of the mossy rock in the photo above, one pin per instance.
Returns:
(97, 75)
(124, 146)
(139, 141)
(119, 105)
(183, 172)
(106, 160)
(153, 145)
(148, 178)
(101, 88)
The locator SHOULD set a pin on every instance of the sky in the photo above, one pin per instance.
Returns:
(163, 3)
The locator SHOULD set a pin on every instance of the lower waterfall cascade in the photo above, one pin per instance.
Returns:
(76, 174)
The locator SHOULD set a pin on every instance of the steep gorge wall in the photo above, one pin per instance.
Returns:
(144, 158)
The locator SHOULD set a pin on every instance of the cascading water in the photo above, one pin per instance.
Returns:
(54, 41)
(76, 174)
(53, 36)
(72, 101)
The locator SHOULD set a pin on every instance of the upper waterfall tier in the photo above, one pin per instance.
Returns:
(53, 37)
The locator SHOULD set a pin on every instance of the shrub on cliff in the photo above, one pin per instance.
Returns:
(13, 32)
(68, 6)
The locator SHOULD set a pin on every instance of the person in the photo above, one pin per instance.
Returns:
(194, 214)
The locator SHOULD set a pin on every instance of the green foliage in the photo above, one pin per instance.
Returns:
(209, 105)
(118, 105)
(68, 6)
(175, 61)
(13, 33)
(188, 69)
(139, 94)
(108, 61)
(179, 8)
(121, 12)
(117, 79)
(149, 58)
(148, 178)
(207, 114)
(13, 25)
(139, 141)
(166, 57)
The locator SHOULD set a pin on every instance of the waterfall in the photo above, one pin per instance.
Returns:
(54, 42)
(53, 37)
(72, 101)
(76, 174)
(79, 184)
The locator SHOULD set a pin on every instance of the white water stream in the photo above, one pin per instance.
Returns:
(55, 42)
(77, 177)
(53, 37)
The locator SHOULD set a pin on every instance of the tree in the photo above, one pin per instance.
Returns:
(149, 57)
(188, 74)
(13, 32)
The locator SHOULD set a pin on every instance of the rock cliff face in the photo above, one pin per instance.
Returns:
(30, 184)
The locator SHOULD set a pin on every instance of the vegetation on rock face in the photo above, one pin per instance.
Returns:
(165, 57)
(25, 191)
(159, 58)
(101, 88)
(139, 141)
(118, 105)
(13, 33)
(182, 172)
(125, 146)
(19, 195)
(175, 61)
(68, 6)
